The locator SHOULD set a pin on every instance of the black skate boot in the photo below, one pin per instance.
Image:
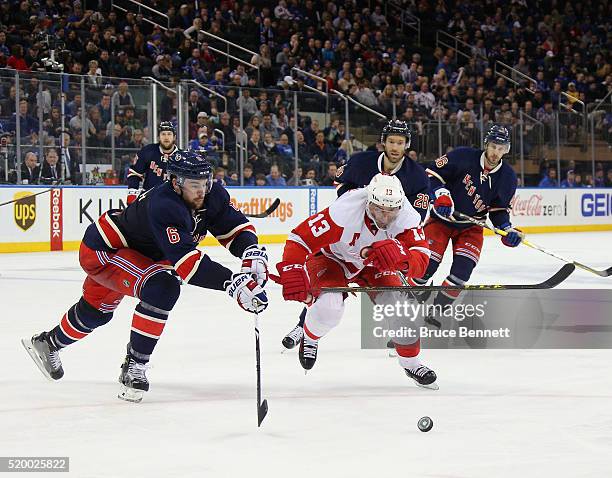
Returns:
(133, 380)
(308, 352)
(294, 337)
(423, 376)
(45, 355)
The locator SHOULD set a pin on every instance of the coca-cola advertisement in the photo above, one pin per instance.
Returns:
(527, 203)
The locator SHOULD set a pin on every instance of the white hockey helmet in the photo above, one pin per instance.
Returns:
(385, 198)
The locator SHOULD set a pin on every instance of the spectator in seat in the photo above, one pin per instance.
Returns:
(295, 180)
(27, 123)
(123, 98)
(343, 153)
(599, 181)
(320, 149)
(248, 175)
(275, 178)
(30, 171)
(550, 181)
(16, 61)
(608, 181)
(260, 180)
(570, 180)
(310, 178)
(284, 148)
(330, 177)
(51, 171)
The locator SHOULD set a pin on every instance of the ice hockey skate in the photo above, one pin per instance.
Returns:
(423, 376)
(308, 352)
(45, 355)
(293, 338)
(133, 380)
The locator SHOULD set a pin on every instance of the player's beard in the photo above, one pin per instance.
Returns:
(169, 146)
(195, 203)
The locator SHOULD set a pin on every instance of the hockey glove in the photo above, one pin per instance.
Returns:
(443, 204)
(514, 237)
(255, 262)
(387, 255)
(295, 282)
(132, 195)
(247, 293)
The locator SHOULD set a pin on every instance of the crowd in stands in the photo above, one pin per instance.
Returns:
(357, 46)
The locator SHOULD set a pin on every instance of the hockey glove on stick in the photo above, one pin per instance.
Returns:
(443, 204)
(255, 262)
(387, 255)
(514, 237)
(250, 296)
(295, 282)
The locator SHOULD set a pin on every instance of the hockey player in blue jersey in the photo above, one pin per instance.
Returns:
(358, 173)
(147, 251)
(149, 170)
(476, 183)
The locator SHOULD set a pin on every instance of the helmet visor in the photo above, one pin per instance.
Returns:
(382, 216)
(196, 187)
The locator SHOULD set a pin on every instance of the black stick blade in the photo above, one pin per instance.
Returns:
(262, 411)
(267, 212)
(559, 276)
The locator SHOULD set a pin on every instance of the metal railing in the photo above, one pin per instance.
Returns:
(141, 6)
(406, 18)
(514, 71)
(444, 39)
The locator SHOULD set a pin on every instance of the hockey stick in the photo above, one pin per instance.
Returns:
(31, 195)
(262, 407)
(604, 273)
(549, 283)
(267, 212)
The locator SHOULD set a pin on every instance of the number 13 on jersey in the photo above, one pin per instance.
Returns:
(319, 225)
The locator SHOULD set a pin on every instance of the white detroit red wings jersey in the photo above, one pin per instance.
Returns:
(343, 230)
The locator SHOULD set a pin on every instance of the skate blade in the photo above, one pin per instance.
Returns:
(27, 344)
(130, 394)
(431, 386)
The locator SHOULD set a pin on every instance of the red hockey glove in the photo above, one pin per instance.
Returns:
(387, 255)
(443, 204)
(294, 280)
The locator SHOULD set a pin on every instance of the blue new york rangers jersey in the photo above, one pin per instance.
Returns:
(362, 167)
(475, 190)
(150, 168)
(160, 226)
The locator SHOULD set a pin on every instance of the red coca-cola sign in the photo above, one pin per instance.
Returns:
(527, 205)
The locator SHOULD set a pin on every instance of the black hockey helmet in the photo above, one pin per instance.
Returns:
(190, 165)
(166, 126)
(396, 127)
(497, 134)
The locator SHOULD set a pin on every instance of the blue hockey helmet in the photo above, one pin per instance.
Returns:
(166, 126)
(396, 128)
(190, 165)
(497, 134)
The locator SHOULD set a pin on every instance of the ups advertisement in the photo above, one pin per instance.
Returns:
(24, 210)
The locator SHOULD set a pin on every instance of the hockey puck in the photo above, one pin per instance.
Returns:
(425, 424)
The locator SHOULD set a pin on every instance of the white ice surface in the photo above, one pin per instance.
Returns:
(535, 413)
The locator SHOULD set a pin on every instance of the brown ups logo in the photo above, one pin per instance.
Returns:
(25, 210)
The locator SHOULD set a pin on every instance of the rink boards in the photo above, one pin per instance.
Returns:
(56, 220)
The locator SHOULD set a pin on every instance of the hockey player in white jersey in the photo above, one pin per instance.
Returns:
(364, 237)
